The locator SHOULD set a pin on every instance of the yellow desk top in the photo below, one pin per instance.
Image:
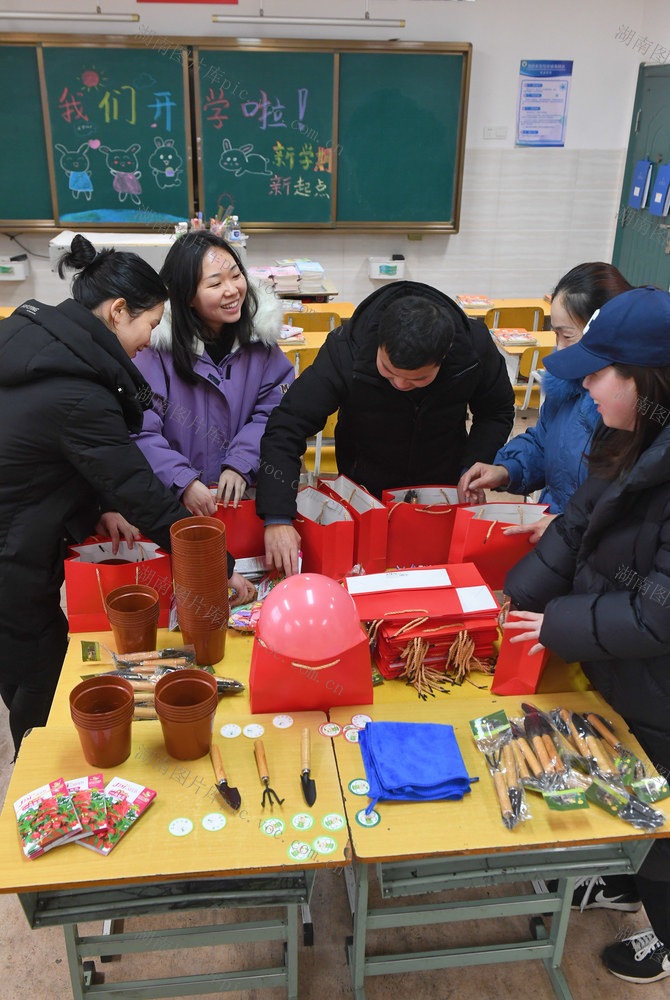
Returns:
(313, 338)
(545, 338)
(473, 825)
(149, 851)
(557, 676)
(481, 311)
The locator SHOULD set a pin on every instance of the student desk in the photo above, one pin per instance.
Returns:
(512, 352)
(180, 856)
(481, 311)
(430, 847)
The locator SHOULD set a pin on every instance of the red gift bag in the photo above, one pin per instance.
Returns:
(304, 661)
(419, 529)
(478, 537)
(245, 530)
(370, 521)
(518, 671)
(92, 570)
(326, 530)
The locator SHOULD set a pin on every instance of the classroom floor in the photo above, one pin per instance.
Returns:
(34, 963)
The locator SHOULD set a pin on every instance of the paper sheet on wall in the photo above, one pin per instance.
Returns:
(544, 85)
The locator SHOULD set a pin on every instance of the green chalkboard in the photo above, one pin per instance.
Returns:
(289, 134)
(399, 153)
(24, 169)
(266, 126)
(118, 134)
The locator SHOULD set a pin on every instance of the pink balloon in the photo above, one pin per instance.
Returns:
(309, 617)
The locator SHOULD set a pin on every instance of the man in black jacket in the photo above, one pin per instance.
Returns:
(402, 374)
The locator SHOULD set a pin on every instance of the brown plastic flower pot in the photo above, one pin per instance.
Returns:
(133, 612)
(102, 711)
(186, 705)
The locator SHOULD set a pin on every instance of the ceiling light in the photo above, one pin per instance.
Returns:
(355, 22)
(42, 15)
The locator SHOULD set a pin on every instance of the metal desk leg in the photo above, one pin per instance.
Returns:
(74, 964)
(557, 934)
(292, 951)
(356, 951)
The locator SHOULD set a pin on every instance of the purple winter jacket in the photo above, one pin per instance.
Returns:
(191, 431)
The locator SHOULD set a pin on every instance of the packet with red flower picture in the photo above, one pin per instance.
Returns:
(126, 801)
(88, 796)
(46, 818)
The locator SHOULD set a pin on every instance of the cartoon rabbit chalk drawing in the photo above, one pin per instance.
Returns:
(165, 163)
(122, 165)
(242, 160)
(76, 166)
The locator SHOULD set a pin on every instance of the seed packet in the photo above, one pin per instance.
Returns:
(88, 796)
(126, 801)
(46, 818)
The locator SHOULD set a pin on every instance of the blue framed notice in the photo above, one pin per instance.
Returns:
(544, 86)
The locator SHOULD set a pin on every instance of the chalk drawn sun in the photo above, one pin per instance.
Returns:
(92, 78)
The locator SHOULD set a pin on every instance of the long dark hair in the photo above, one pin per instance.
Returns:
(111, 274)
(181, 272)
(616, 453)
(587, 287)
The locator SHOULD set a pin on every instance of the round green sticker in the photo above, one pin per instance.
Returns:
(273, 827)
(333, 821)
(324, 845)
(299, 850)
(359, 786)
(181, 826)
(302, 821)
(368, 819)
(213, 822)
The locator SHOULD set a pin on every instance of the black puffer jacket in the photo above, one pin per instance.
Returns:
(68, 398)
(386, 438)
(601, 575)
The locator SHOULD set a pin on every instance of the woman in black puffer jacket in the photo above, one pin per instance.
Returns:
(597, 586)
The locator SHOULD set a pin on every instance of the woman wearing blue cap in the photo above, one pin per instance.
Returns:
(596, 588)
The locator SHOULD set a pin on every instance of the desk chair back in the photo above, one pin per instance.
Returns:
(531, 369)
(318, 321)
(521, 317)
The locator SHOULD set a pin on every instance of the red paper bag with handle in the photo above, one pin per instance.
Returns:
(478, 536)
(326, 530)
(245, 531)
(370, 521)
(420, 522)
(518, 671)
(92, 570)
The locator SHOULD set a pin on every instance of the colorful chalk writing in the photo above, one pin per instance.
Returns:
(119, 145)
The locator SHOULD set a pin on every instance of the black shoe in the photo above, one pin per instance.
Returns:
(640, 958)
(613, 892)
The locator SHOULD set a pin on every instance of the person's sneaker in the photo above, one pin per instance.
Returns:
(640, 958)
(613, 892)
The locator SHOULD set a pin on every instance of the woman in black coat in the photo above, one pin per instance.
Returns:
(69, 396)
(597, 586)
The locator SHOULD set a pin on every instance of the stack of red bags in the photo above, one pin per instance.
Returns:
(432, 606)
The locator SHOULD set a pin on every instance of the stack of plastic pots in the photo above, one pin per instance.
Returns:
(186, 703)
(200, 571)
(133, 613)
(102, 711)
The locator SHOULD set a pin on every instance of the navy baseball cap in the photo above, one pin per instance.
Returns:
(631, 329)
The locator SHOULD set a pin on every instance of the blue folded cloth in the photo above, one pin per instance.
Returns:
(412, 761)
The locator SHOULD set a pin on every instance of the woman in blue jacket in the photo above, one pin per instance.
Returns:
(552, 455)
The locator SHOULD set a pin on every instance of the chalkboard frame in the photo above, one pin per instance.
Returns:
(191, 48)
(338, 47)
(78, 42)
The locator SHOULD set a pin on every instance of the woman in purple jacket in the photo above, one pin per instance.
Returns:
(216, 373)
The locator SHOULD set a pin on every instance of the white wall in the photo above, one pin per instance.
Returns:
(527, 214)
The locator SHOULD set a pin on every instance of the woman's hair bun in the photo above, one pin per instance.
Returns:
(81, 253)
